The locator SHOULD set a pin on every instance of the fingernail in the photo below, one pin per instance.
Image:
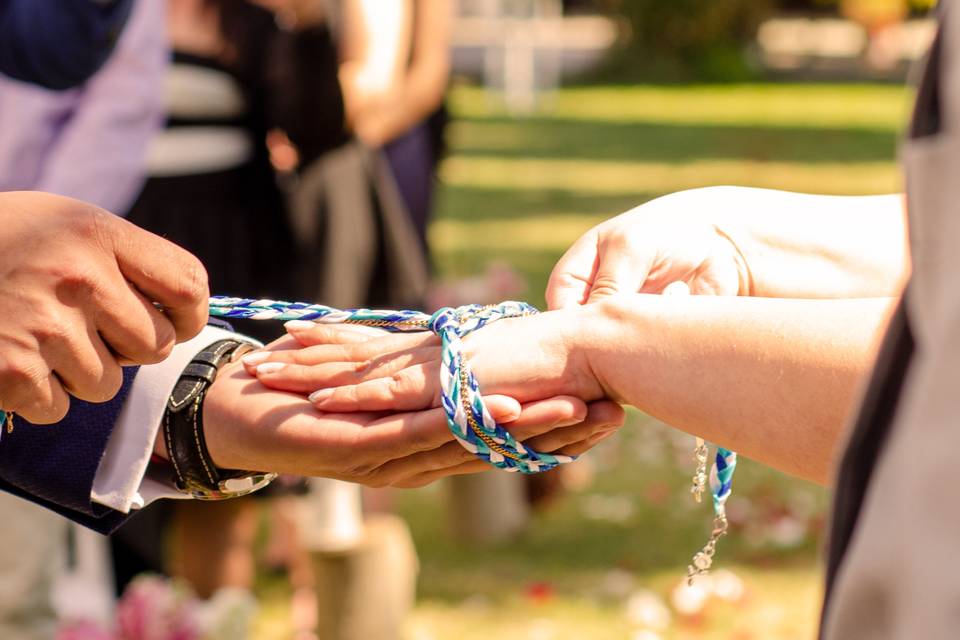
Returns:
(253, 359)
(298, 325)
(320, 395)
(270, 367)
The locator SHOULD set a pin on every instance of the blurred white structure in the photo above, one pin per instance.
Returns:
(521, 47)
(839, 46)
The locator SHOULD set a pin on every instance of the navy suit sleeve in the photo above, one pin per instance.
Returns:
(55, 465)
(58, 44)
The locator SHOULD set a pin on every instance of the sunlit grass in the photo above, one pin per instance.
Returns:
(851, 106)
(780, 605)
(602, 177)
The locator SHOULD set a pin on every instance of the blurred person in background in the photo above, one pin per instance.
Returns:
(350, 219)
(87, 143)
(212, 190)
(384, 72)
(240, 72)
(405, 114)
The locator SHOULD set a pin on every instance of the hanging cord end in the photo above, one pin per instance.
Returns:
(703, 559)
(6, 418)
(700, 455)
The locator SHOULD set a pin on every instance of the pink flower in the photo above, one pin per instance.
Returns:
(82, 630)
(155, 609)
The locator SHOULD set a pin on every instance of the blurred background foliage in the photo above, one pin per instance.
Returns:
(682, 40)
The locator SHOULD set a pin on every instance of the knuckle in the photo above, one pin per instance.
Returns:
(361, 470)
(365, 370)
(89, 222)
(165, 339)
(53, 331)
(398, 384)
(104, 384)
(402, 382)
(111, 383)
(605, 285)
(377, 480)
(43, 407)
(419, 440)
(190, 286)
(57, 410)
(149, 344)
(76, 281)
(20, 380)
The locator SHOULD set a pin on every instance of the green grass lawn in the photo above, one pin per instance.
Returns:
(520, 191)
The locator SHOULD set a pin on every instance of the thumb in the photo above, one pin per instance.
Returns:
(502, 408)
(164, 273)
(569, 282)
(620, 269)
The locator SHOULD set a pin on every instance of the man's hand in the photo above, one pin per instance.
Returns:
(526, 358)
(78, 287)
(647, 249)
(249, 426)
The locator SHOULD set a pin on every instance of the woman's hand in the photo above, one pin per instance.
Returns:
(343, 369)
(736, 240)
(647, 249)
(528, 358)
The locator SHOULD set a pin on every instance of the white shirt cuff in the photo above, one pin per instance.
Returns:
(122, 482)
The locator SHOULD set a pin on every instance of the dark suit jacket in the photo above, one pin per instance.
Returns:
(58, 44)
(54, 465)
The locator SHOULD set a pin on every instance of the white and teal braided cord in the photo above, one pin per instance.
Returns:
(467, 416)
(721, 478)
(721, 484)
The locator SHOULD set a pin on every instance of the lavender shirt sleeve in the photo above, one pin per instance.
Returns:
(90, 143)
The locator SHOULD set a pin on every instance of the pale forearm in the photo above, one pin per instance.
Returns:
(773, 379)
(418, 96)
(376, 45)
(809, 246)
(423, 85)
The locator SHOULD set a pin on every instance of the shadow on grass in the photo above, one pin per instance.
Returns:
(472, 203)
(579, 139)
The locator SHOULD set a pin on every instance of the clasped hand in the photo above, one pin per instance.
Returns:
(383, 424)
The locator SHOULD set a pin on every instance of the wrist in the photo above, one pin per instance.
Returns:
(612, 348)
(533, 358)
(196, 472)
(224, 443)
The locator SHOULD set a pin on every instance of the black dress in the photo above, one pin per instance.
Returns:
(211, 188)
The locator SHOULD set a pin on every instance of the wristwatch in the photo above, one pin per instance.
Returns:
(194, 471)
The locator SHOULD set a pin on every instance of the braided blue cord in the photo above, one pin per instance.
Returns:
(467, 416)
(721, 478)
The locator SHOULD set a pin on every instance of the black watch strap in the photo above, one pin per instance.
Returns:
(194, 470)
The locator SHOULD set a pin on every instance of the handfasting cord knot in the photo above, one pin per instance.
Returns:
(442, 319)
(467, 416)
